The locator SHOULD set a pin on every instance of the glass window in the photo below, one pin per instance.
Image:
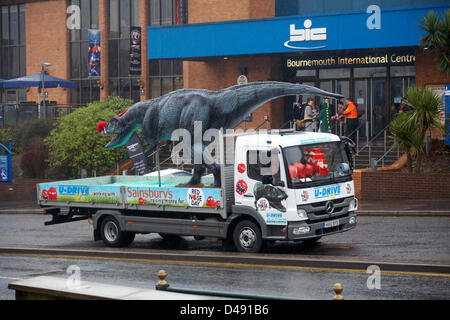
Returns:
(165, 75)
(84, 59)
(155, 12)
(155, 87)
(260, 164)
(166, 12)
(113, 58)
(124, 61)
(94, 14)
(22, 24)
(369, 72)
(14, 62)
(85, 7)
(5, 25)
(75, 60)
(403, 71)
(22, 64)
(337, 73)
(306, 73)
(134, 13)
(87, 90)
(296, 7)
(4, 61)
(124, 18)
(314, 162)
(166, 67)
(114, 18)
(167, 85)
(12, 41)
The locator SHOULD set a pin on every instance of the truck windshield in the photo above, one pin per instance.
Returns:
(314, 164)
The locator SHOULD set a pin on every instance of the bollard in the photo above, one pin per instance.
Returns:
(338, 290)
(162, 284)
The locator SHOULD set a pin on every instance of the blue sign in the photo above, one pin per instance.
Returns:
(447, 114)
(338, 31)
(4, 172)
(6, 164)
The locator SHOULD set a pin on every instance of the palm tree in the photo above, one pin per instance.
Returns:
(410, 128)
(406, 137)
(437, 38)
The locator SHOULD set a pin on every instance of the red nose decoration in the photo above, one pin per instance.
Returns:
(101, 125)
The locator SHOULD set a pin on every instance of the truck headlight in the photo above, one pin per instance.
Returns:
(302, 214)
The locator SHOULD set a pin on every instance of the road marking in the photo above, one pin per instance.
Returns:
(225, 264)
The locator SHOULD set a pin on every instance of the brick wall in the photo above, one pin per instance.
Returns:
(427, 73)
(47, 41)
(396, 185)
(22, 189)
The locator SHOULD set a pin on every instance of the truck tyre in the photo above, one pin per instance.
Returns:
(247, 237)
(112, 235)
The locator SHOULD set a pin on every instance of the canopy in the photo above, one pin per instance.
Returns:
(36, 80)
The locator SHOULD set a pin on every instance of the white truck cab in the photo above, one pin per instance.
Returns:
(298, 183)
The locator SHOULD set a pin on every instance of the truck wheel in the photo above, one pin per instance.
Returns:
(112, 235)
(247, 237)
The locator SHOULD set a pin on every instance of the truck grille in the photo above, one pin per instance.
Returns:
(317, 212)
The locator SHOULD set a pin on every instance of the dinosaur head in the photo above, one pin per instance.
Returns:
(118, 127)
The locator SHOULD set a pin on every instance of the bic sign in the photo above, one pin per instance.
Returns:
(306, 34)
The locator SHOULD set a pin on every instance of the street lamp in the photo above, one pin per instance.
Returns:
(44, 64)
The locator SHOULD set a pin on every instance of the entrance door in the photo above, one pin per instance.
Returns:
(360, 97)
(378, 99)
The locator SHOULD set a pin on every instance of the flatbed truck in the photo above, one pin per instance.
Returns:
(279, 186)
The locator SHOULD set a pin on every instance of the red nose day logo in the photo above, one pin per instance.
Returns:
(195, 197)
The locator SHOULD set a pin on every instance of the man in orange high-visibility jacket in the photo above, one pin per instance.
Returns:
(352, 119)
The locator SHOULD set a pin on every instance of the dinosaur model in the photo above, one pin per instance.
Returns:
(225, 108)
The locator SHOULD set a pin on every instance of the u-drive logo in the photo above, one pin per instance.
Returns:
(307, 34)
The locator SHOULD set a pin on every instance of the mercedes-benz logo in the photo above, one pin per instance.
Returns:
(329, 207)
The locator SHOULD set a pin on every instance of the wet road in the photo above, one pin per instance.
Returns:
(399, 238)
(378, 238)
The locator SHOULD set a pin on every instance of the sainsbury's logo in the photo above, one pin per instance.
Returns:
(305, 35)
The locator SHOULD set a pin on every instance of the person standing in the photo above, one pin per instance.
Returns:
(324, 116)
(298, 115)
(352, 119)
(310, 115)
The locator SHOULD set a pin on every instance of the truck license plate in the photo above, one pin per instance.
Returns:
(332, 223)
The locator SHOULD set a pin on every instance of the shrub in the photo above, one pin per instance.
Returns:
(74, 143)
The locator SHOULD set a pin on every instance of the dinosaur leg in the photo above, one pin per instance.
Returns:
(199, 166)
(196, 176)
(211, 164)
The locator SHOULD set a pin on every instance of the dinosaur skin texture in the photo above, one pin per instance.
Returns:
(224, 108)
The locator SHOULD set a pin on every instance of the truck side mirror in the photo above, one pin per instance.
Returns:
(267, 179)
(281, 184)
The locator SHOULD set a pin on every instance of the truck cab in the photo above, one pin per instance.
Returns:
(298, 186)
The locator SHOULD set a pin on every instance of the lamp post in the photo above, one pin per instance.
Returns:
(44, 64)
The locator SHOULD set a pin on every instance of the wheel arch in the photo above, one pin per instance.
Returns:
(241, 213)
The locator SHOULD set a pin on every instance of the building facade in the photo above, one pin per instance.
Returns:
(57, 32)
(365, 50)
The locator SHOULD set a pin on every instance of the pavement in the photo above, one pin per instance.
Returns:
(392, 207)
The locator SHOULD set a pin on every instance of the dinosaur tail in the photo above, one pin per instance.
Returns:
(235, 103)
